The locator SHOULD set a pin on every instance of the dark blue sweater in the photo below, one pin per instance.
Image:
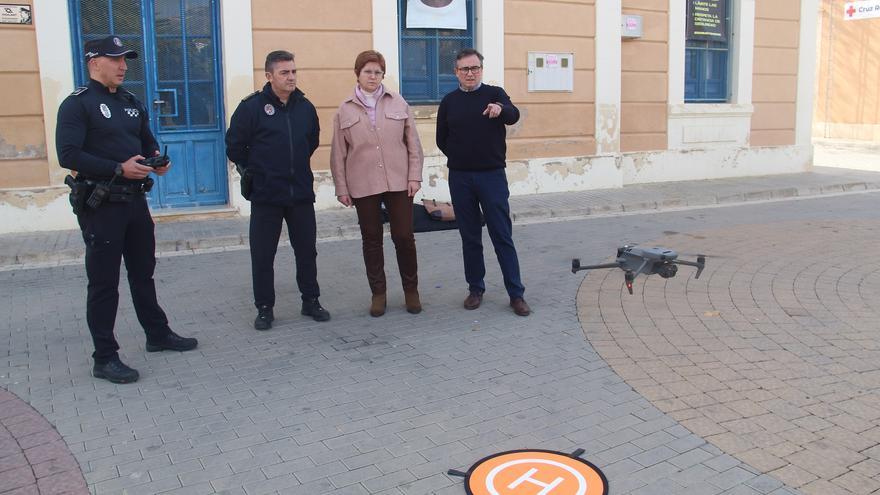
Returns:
(470, 140)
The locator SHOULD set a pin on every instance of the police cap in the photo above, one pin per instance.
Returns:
(111, 46)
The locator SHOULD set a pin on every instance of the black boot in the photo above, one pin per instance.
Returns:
(115, 371)
(265, 317)
(172, 342)
(311, 307)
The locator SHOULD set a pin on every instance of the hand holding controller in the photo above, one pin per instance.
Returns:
(156, 161)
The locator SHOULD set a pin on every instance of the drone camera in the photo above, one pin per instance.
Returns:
(667, 270)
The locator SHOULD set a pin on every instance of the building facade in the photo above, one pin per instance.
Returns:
(611, 92)
(848, 82)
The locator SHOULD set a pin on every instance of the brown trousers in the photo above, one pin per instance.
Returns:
(399, 206)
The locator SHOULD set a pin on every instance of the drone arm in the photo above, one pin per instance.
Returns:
(575, 269)
(699, 264)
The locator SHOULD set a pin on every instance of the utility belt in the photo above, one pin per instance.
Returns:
(90, 193)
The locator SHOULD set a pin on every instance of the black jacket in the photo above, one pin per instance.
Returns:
(275, 142)
(97, 130)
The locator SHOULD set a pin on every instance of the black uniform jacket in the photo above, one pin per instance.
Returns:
(97, 130)
(275, 142)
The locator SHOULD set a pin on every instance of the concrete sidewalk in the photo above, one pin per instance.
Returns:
(181, 237)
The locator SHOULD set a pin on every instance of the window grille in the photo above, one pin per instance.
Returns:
(427, 57)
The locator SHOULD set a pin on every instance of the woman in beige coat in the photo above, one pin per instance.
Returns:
(376, 158)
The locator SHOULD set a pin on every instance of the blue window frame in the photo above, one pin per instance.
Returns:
(707, 68)
(427, 57)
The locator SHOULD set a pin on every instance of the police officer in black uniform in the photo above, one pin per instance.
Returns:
(103, 133)
(271, 138)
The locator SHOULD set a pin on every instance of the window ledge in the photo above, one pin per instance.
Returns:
(689, 110)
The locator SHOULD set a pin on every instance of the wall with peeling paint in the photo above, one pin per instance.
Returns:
(23, 160)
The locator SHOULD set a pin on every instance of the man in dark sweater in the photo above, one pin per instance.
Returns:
(471, 133)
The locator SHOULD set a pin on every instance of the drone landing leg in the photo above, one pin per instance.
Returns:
(629, 278)
(699, 264)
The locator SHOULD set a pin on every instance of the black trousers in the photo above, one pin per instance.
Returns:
(265, 230)
(112, 232)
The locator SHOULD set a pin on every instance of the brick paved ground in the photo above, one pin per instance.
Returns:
(33, 457)
(362, 405)
(772, 355)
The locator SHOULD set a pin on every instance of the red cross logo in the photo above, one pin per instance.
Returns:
(850, 11)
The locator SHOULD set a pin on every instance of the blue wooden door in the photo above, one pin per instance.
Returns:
(177, 76)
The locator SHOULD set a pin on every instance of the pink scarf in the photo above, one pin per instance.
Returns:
(370, 103)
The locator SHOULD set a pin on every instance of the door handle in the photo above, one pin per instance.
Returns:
(158, 102)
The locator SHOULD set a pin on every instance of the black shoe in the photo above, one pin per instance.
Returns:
(311, 307)
(115, 371)
(265, 317)
(172, 342)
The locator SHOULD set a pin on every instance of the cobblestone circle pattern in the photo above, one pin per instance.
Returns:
(772, 355)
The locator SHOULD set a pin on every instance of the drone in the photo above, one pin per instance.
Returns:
(635, 260)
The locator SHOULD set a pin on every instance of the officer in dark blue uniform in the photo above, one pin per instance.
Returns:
(103, 133)
(271, 138)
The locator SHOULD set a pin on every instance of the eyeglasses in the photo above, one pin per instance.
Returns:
(377, 73)
(470, 70)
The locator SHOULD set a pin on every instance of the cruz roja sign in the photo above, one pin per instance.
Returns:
(867, 9)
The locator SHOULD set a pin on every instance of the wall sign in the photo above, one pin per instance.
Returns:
(15, 14)
(707, 20)
(866, 9)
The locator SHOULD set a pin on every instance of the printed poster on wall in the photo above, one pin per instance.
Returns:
(436, 14)
(706, 20)
(15, 14)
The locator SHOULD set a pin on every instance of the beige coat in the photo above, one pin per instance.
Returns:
(365, 160)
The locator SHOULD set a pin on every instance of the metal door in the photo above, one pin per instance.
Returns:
(177, 77)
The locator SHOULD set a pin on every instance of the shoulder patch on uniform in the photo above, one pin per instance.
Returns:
(80, 90)
(248, 97)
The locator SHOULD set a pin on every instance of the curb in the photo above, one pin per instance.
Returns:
(533, 214)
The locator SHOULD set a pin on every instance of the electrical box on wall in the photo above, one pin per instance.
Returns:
(551, 71)
(631, 26)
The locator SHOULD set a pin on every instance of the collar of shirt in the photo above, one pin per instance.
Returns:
(470, 90)
(267, 91)
(97, 86)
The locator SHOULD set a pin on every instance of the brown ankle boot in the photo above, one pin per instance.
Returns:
(413, 304)
(377, 306)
